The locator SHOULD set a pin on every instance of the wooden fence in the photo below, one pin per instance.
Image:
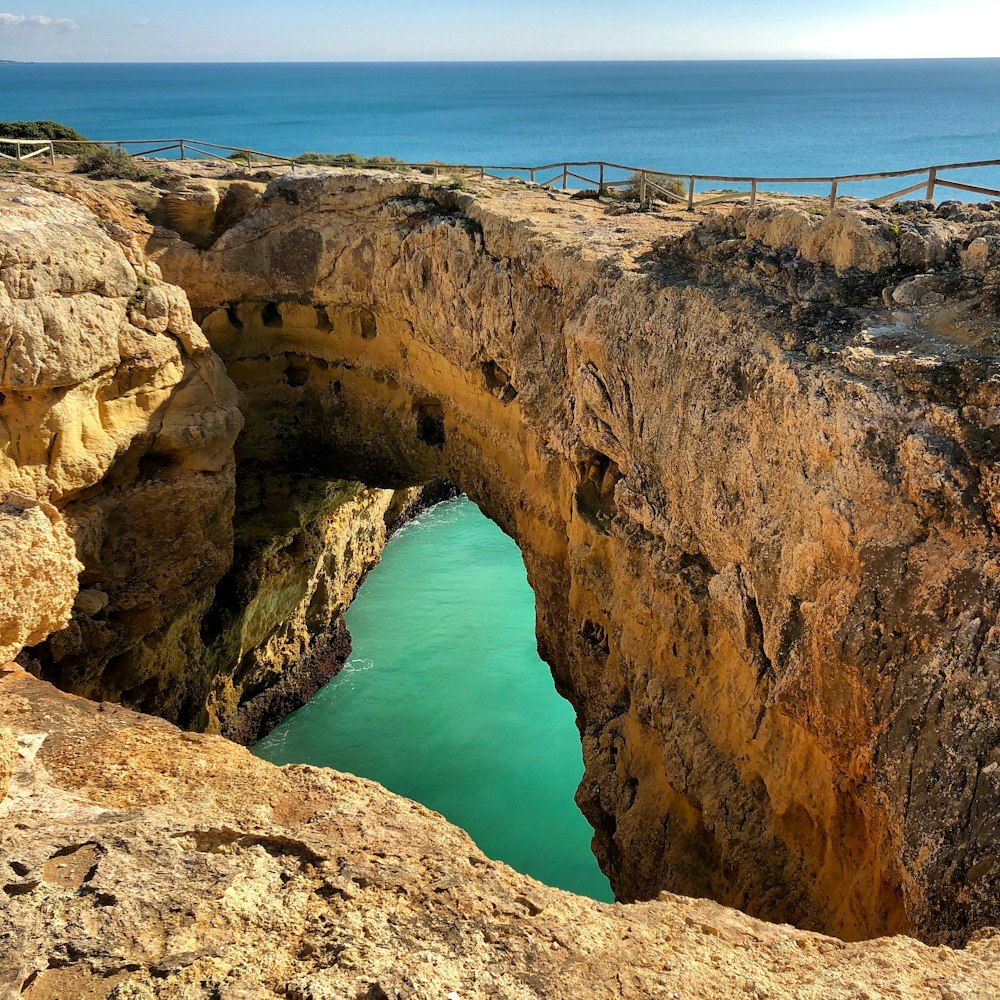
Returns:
(674, 187)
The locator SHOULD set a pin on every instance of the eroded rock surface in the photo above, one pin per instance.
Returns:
(142, 862)
(39, 573)
(156, 570)
(757, 508)
(117, 424)
(750, 462)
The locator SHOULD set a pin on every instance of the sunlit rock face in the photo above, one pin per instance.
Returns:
(117, 423)
(758, 511)
(750, 463)
(143, 862)
(153, 572)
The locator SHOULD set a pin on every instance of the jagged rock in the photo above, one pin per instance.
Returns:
(765, 579)
(796, 754)
(39, 570)
(922, 290)
(143, 863)
(115, 409)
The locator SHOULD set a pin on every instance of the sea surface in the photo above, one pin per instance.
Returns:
(813, 118)
(445, 700)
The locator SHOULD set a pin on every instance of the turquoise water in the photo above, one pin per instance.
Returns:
(444, 700)
(763, 118)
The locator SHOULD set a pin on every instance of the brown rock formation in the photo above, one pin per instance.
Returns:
(758, 510)
(117, 424)
(759, 524)
(40, 570)
(114, 410)
(143, 863)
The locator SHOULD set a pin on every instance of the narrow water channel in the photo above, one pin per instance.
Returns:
(446, 701)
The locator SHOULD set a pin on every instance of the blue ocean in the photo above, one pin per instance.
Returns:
(782, 119)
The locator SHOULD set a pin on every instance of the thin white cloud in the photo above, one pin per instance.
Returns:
(36, 21)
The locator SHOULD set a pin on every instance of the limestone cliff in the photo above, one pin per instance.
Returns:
(120, 503)
(116, 429)
(757, 509)
(750, 462)
(142, 863)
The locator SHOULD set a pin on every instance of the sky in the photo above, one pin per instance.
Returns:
(256, 31)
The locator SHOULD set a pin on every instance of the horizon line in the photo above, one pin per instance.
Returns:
(479, 62)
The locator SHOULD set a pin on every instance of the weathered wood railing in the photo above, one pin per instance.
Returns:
(23, 149)
(675, 187)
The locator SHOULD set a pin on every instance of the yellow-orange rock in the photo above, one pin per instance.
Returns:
(144, 864)
(759, 513)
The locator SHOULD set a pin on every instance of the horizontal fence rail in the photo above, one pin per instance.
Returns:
(674, 187)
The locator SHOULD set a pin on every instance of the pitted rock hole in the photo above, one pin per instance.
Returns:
(595, 492)
(270, 316)
(430, 423)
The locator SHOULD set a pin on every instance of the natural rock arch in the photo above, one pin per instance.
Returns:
(764, 574)
(728, 571)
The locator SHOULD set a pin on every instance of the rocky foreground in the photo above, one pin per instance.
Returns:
(143, 862)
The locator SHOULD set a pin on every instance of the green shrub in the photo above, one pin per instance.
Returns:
(37, 130)
(331, 159)
(349, 160)
(18, 166)
(674, 185)
(137, 300)
(105, 164)
(245, 155)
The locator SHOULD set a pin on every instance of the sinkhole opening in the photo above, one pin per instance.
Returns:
(445, 700)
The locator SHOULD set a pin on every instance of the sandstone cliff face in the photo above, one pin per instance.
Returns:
(120, 503)
(40, 570)
(758, 511)
(116, 426)
(142, 863)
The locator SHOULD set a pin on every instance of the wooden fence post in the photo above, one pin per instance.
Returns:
(182, 148)
(52, 153)
(753, 193)
(931, 181)
(600, 183)
(691, 195)
(531, 174)
(642, 187)
(17, 150)
(249, 159)
(833, 196)
(565, 177)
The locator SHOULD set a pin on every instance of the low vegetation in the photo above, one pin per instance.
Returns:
(674, 185)
(104, 164)
(350, 160)
(42, 129)
(18, 166)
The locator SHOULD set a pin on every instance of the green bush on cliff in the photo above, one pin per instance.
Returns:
(674, 185)
(114, 164)
(42, 129)
(349, 160)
